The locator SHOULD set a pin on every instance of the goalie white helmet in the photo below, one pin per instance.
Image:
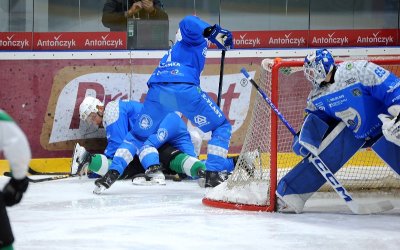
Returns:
(88, 106)
(318, 65)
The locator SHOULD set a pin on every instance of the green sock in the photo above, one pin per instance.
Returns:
(9, 247)
(99, 164)
(185, 164)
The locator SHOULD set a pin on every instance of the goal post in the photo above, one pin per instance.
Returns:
(266, 155)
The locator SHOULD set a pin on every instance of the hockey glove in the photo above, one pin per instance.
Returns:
(297, 148)
(14, 190)
(391, 124)
(220, 37)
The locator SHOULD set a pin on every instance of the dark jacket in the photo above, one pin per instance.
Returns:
(114, 13)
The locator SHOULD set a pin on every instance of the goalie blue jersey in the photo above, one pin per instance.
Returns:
(361, 91)
(185, 61)
(119, 117)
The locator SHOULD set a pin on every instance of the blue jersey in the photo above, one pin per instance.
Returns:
(185, 61)
(361, 91)
(118, 119)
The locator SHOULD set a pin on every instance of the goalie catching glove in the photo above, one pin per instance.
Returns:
(220, 37)
(391, 124)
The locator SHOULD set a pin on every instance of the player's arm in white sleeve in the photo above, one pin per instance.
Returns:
(15, 147)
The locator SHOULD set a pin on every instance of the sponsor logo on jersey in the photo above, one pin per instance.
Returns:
(392, 88)
(200, 120)
(176, 72)
(351, 117)
(349, 65)
(145, 122)
(204, 53)
(169, 64)
(211, 104)
(320, 106)
(356, 92)
(350, 80)
(162, 134)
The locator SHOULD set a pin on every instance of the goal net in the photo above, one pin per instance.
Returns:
(266, 155)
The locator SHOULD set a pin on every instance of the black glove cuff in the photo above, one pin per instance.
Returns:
(207, 31)
(20, 185)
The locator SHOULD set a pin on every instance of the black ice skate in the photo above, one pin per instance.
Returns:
(106, 181)
(152, 176)
(214, 178)
(156, 175)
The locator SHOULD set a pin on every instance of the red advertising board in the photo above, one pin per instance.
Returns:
(242, 39)
(43, 97)
(353, 38)
(16, 41)
(79, 40)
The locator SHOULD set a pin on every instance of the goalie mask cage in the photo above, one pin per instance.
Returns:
(266, 155)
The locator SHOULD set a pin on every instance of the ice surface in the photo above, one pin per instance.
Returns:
(65, 214)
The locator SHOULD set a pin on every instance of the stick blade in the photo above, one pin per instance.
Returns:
(371, 208)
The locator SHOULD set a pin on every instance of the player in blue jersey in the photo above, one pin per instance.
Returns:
(117, 118)
(175, 86)
(350, 106)
(173, 143)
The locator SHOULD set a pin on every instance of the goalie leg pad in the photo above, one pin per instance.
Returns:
(304, 178)
(388, 152)
(312, 133)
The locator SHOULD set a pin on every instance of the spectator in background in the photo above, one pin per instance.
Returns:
(117, 12)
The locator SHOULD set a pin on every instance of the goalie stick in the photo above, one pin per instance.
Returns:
(355, 207)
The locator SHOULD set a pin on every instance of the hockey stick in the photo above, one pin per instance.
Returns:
(323, 169)
(221, 78)
(34, 172)
(58, 177)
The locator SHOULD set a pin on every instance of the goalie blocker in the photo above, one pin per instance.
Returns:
(337, 147)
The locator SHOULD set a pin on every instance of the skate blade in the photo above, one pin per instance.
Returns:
(141, 181)
(99, 189)
(202, 182)
(75, 163)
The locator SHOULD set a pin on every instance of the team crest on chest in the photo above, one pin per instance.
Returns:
(145, 122)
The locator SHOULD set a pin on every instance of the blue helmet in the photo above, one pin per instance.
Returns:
(317, 66)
